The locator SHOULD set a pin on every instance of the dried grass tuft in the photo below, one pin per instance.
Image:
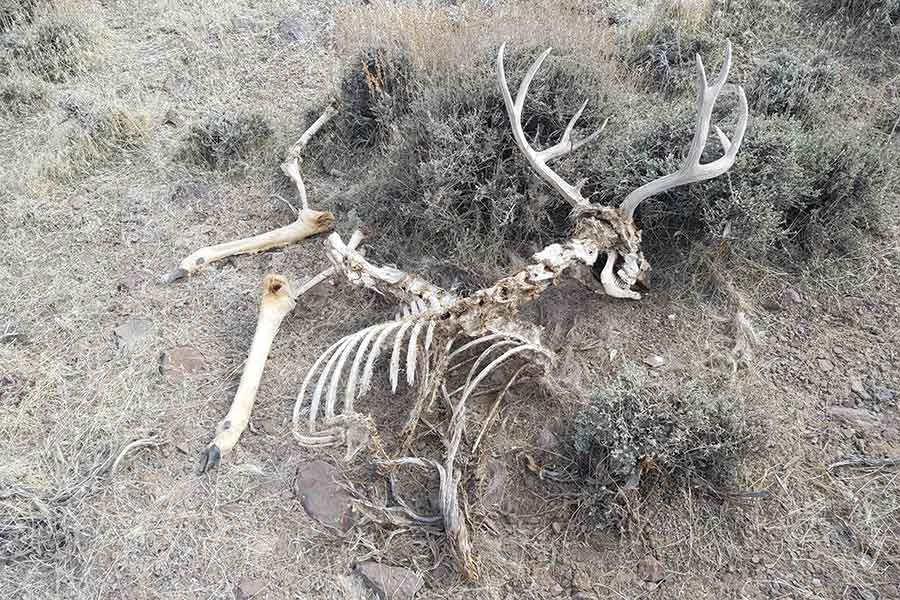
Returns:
(225, 140)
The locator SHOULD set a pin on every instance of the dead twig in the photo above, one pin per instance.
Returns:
(865, 463)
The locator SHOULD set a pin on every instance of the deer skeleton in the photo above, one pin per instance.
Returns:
(438, 332)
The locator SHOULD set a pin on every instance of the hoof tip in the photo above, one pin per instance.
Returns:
(209, 458)
(174, 276)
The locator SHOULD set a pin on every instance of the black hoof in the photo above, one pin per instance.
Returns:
(173, 276)
(209, 458)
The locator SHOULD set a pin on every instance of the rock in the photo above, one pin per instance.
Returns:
(546, 440)
(772, 305)
(390, 583)
(891, 434)
(855, 417)
(650, 569)
(129, 281)
(180, 362)
(188, 191)
(295, 28)
(825, 365)
(133, 333)
(582, 581)
(248, 588)
(321, 496)
(883, 394)
(556, 589)
(857, 388)
(173, 118)
(655, 361)
(865, 594)
(791, 296)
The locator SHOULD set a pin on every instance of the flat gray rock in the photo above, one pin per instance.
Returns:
(181, 361)
(856, 417)
(133, 333)
(321, 496)
(390, 583)
(650, 569)
(296, 28)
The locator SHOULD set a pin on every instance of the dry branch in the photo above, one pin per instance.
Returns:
(865, 462)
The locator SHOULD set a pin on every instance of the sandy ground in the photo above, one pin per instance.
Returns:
(81, 258)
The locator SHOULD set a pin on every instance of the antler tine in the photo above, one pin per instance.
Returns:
(539, 159)
(691, 170)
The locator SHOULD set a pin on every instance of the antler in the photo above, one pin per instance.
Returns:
(691, 170)
(539, 159)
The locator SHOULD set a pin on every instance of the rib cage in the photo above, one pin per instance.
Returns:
(410, 348)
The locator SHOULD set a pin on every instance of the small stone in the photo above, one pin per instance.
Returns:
(129, 282)
(188, 191)
(825, 364)
(816, 583)
(582, 581)
(772, 305)
(866, 594)
(556, 589)
(248, 588)
(855, 417)
(890, 434)
(321, 496)
(883, 394)
(857, 388)
(792, 296)
(556, 526)
(180, 362)
(133, 333)
(295, 28)
(655, 361)
(173, 118)
(650, 569)
(546, 440)
(390, 583)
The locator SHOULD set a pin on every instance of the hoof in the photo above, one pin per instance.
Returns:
(173, 276)
(209, 458)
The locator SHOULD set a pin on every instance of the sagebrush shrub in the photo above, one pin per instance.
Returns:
(664, 57)
(21, 96)
(439, 183)
(873, 12)
(16, 11)
(94, 132)
(787, 85)
(58, 49)
(223, 140)
(442, 182)
(810, 190)
(680, 426)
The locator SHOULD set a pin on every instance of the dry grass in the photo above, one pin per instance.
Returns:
(82, 254)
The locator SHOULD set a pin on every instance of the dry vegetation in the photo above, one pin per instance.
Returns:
(133, 133)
